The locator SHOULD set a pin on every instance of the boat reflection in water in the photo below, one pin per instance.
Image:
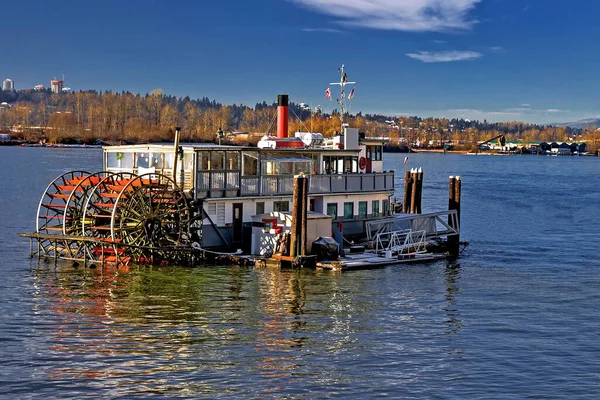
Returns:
(227, 330)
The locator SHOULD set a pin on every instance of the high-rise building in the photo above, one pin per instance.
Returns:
(56, 86)
(8, 85)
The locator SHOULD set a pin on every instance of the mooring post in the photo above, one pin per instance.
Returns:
(453, 240)
(414, 194)
(304, 212)
(407, 192)
(457, 195)
(295, 217)
(420, 190)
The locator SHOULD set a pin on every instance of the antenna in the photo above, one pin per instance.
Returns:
(343, 82)
(63, 78)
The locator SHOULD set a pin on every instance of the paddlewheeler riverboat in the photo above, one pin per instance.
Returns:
(157, 203)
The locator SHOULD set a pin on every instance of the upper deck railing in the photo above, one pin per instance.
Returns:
(231, 184)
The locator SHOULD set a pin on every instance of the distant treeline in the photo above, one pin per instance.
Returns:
(90, 115)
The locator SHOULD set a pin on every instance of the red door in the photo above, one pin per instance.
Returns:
(369, 159)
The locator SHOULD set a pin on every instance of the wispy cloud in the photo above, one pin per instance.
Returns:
(323, 30)
(402, 15)
(525, 105)
(444, 56)
(439, 41)
(496, 49)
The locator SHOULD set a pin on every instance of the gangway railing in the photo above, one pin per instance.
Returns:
(435, 225)
(399, 242)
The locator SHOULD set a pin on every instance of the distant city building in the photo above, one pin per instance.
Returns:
(56, 86)
(8, 85)
(39, 87)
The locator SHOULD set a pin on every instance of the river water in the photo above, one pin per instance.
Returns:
(515, 317)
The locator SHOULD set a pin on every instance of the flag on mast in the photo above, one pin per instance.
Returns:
(351, 95)
(328, 93)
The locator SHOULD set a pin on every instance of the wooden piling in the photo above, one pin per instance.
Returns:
(419, 191)
(414, 194)
(294, 234)
(304, 213)
(454, 194)
(457, 195)
(407, 192)
(298, 237)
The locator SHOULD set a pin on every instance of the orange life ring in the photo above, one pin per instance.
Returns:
(362, 163)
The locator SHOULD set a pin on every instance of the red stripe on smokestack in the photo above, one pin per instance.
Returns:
(282, 116)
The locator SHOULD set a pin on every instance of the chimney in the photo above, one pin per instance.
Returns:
(282, 116)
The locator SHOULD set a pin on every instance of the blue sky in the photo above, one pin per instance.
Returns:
(527, 60)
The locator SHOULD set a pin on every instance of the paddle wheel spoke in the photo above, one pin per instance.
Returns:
(148, 217)
(55, 211)
(97, 216)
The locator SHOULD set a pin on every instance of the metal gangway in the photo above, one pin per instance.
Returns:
(436, 225)
(390, 244)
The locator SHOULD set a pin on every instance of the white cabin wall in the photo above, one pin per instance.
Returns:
(249, 206)
(377, 166)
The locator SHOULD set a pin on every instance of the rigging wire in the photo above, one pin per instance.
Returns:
(301, 122)
(272, 121)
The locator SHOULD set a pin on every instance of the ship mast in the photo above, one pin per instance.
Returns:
(343, 82)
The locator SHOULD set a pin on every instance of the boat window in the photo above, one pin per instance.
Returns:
(362, 209)
(168, 160)
(156, 160)
(260, 207)
(269, 168)
(315, 163)
(377, 153)
(286, 168)
(233, 160)
(217, 161)
(119, 160)
(332, 210)
(333, 165)
(203, 159)
(302, 167)
(339, 165)
(326, 165)
(143, 160)
(375, 208)
(188, 161)
(348, 210)
(369, 152)
(250, 164)
(281, 206)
